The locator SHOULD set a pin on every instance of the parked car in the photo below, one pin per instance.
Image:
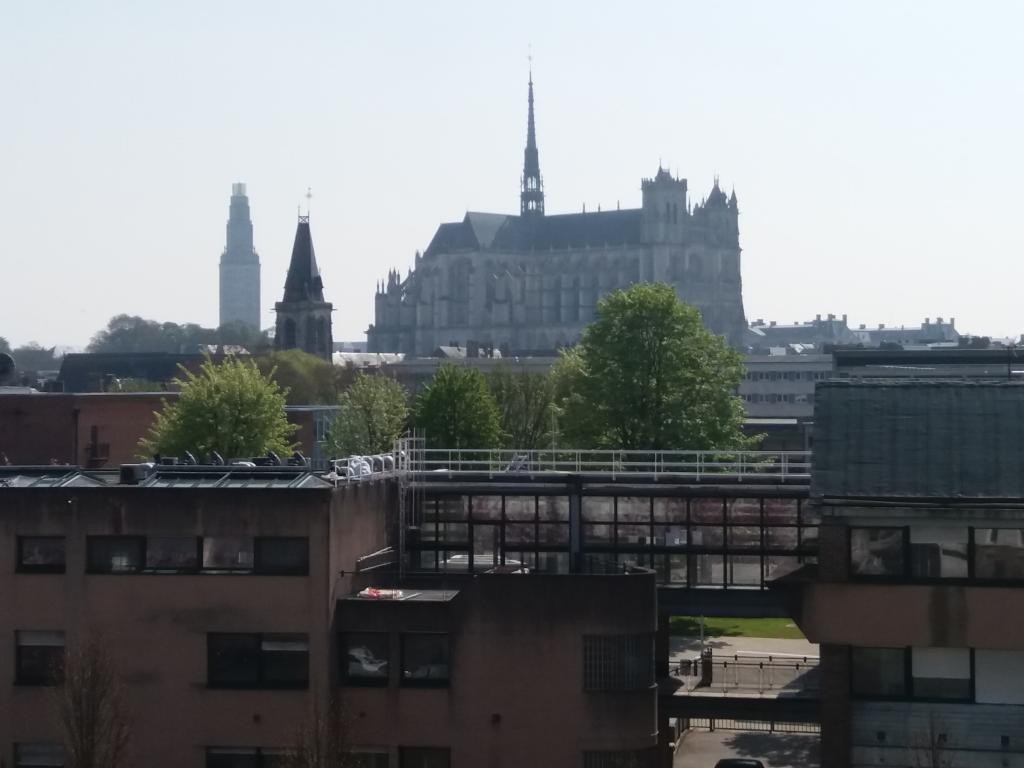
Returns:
(739, 762)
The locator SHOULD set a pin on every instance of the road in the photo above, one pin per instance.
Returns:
(702, 749)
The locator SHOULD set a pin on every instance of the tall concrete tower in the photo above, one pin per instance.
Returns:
(240, 266)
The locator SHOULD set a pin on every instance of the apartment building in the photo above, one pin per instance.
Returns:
(921, 567)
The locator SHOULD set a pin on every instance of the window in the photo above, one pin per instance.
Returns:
(369, 757)
(244, 757)
(425, 659)
(115, 554)
(257, 661)
(876, 551)
(638, 758)
(999, 553)
(41, 554)
(424, 757)
(38, 756)
(941, 673)
(172, 554)
(618, 662)
(366, 657)
(227, 553)
(39, 658)
(878, 672)
(282, 555)
(938, 552)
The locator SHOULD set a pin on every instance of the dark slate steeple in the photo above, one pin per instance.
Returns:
(531, 196)
(303, 282)
(303, 315)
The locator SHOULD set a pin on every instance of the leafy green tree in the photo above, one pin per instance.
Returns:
(4, 346)
(310, 380)
(228, 407)
(525, 406)
(457, 410)
(647, 375)
(131, 333)
(373, 414)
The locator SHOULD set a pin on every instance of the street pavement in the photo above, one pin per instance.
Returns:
(702, 748)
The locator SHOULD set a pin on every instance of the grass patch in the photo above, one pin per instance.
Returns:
(689, 626)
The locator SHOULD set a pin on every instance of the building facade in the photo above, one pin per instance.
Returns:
(239, 266)
(529, 284)
(303, 315)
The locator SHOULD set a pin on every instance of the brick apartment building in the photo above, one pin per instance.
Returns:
(918, 598)
(229, 598)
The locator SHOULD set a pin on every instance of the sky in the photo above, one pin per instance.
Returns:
(875, 147)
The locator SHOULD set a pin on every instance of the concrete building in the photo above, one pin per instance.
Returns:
(303, 315)
(528, 284)
(920, 564)
(239, 266)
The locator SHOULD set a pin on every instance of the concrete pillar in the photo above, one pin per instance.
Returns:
(661, 647)
(835, 706)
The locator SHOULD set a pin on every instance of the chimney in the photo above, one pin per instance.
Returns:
(952, 322)
(938, 320)
(831, 317)
(863, 327)
(772, 323)
(817, 318)
(927, 321)
(881, 326)
(844, 318)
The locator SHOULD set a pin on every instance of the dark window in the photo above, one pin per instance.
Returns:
(245, 757)
(41, 554)
(425, 659)
(424, 757)
(38, 756)
(365, 657)
(172, 554)
(115, 554)
(227, 553)
(938, 552)
(876, 551)
(941, 673)
(638, 758)
(618, 662)
(40, 658)
(257, 661)
(999, 553)
(282, 555)
(879, 672)
(376, 759)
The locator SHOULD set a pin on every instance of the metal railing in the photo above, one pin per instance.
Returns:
(764, 726)
(695, 465)
(760, 674)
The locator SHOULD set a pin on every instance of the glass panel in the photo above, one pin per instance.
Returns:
(706, 536)
(41, 553)
(233, 659)
(634, 535)
(519, 533)
(453, 533)
(425, 659)
(597, 534)
(553, 508)
(38, 756)
(670, 510)
(670, 535)
(285, 660)
(744, 511)
(777, 567)
(780, 511)
(554, 534)
(938, 552)
(527, 560)
(227, 553)
(232, 758)
(520, 507)
(876, 551)
(172, 553)
(632, 509)
(286, 555)
(486, 507)
(553, 562)
(999, 553)
(428, 560)
(941, 673)
(424, 757)
(486, 545)
(367, 655)
(809, 538)
(809, 514)
(363, 757)
(781, 538)
(878, 672)
(744, 570)
(115, 554)
(453, 508)
(744, 537)
(706, 510)
(671, 568)
(40, 657)
(598, 509)
(708, 569)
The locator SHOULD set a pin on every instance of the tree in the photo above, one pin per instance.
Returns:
(91, 708)
(457, 410)
(34, 357)
(373, 414)
(525, 406)
(647, 375)
(5, 347)
(310, 380)
(323, 742)
(228, 407)
(131, 333)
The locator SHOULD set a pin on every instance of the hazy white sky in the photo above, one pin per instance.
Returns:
(875, 146)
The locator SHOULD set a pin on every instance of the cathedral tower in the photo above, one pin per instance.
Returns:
(239, 266)
(303, 316)
(531, 196)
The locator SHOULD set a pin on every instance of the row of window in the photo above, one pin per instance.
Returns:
(279, 555)
(424, 659)
(948, 552)
(44, 755)
(775, 397)
(786, 375)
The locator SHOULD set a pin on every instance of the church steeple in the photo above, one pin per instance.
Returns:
(303, 315)
(531, 196)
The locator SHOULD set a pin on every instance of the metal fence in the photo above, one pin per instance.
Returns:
(764, 726)
(695, 465)
(761, 674)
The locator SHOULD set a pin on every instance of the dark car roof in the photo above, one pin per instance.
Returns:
(739, 762)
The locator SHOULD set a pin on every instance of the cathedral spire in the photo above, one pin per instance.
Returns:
(531, 196)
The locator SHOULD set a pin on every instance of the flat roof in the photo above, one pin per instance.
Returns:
(371, 595)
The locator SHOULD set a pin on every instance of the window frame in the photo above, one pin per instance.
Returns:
(345, 679)
(260, 568)
(22, 567)
(908, 680)
(18, 745)
(56, 677)
(93, 570)
(428, 682)
(260, 681)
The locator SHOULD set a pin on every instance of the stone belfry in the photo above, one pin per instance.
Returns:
(531, 196)
(239, 266)
(303, 316)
